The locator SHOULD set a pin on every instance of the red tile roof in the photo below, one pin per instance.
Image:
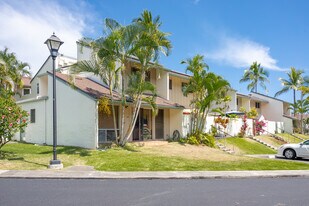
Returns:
(88, 86)
(97, 90)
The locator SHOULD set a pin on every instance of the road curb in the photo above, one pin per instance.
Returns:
(51, 174)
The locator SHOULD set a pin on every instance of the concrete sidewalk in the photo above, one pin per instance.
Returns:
(80, 174)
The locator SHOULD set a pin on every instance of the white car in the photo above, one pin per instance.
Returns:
(291, 151)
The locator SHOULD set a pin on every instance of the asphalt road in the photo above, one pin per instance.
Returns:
(214, 192)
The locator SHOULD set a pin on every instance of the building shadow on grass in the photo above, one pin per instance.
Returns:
(10, 156)
(70, 151)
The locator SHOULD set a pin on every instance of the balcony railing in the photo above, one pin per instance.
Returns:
(107, 135)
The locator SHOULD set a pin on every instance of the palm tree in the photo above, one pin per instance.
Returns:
(11, 71)
(105, 67)
(207, 88)
(141, 39)
(301, 107)
(150, 42)
(255, 75)
(294, 82)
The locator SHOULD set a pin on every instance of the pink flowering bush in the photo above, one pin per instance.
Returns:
(259, 126)
(244, 127)
(12, 119)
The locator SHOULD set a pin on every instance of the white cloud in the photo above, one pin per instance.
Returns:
(242, 53)
(26, 25)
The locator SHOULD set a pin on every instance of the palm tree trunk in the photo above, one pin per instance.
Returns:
(114, 114)
(294, 98)
(123, 100)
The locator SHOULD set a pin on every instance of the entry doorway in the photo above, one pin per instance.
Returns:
(142, 128)
(160, 124)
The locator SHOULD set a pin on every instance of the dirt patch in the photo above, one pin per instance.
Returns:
(188, 151)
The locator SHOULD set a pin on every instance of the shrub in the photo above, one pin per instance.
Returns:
(259, 126)
(12, 119)
(244, 127)
(201, 138)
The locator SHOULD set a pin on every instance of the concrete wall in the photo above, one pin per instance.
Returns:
(83, 52)
(35, 132)
(77, 117)
(288, 125)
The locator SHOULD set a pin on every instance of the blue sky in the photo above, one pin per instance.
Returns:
(231, 34)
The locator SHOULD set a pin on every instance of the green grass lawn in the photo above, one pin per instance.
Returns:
(247, 146)
(289, 138)
(28, 156)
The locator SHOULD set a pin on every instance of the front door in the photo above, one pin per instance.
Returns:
(137, 129)
(160, 124)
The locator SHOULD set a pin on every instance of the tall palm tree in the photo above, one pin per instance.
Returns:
(256, 75)
(11, 71)
(207, 88)
(295, 80)
(150, 42)
(105, 67)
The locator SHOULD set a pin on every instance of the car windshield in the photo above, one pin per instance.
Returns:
(306, 142)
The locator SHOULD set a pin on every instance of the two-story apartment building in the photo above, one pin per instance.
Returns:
(272, 109)
(80, 123)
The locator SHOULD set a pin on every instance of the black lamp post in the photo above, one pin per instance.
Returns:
(53, 44)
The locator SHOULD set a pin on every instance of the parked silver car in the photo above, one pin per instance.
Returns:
(291, 151)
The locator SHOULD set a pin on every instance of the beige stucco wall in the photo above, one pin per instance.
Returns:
(166, 123)
(175, 119)
(176, 95)
(243, 102)
(273, 110)
(162, 83)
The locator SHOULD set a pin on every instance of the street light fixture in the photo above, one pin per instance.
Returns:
(53, 44)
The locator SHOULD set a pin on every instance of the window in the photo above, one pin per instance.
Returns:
(237, 100)
(32, 115)
(171, 84)
(38, 88)
(26, 91)
(257, 105)
(183, 86)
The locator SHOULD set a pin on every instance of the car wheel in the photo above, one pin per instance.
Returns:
(289, 154)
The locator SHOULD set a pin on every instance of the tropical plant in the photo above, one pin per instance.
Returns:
(104, 66)
(259, 126)
(294, 82)
(244, 127)
(150, 42)
(11, 71)
(301, 107)
(207, 88)
(141, 39)
(12, 118)
(252, 114)
(255, 75)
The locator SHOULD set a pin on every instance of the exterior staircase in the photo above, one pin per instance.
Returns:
(262, 142)
(224, 148)
(276, 137)
(302, 139)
